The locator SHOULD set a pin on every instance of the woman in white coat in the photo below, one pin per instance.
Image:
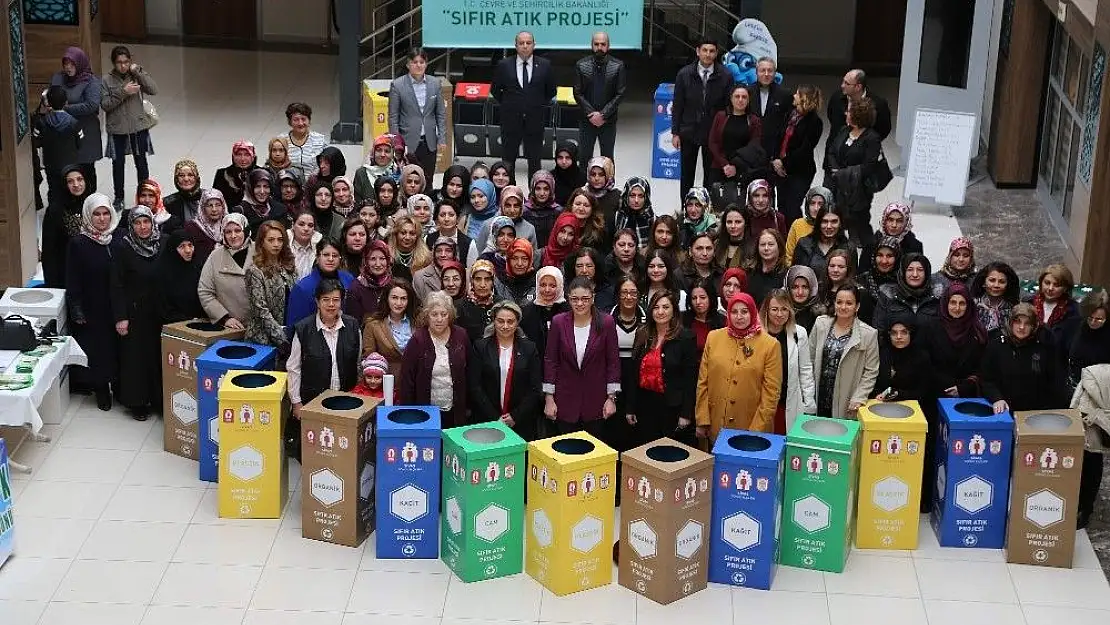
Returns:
(797, 396)
(845, 354)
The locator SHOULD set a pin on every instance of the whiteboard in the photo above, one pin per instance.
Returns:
(940, 155)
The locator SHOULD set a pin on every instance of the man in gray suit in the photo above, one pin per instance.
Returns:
(417, 113)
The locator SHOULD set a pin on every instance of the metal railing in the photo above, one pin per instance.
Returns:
(398, 34)
(701, 17)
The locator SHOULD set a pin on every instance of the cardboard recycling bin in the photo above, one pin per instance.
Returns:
(408, 482)
(973, 448)
(483, 501)
(337, 468)
(40, 304)
(1048, 460)
(375, 111)
(215, 362)
(253, 480)
(664, 551)
(471, 111)
(7, 519)
(182, 344)
(892, 455)
(571, 495)
(747, 508)
(569, 119)
(820, 495)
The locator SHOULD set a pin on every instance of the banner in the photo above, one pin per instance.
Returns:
(556, 24)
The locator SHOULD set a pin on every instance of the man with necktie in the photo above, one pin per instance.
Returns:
(700, 90)
(524, 85)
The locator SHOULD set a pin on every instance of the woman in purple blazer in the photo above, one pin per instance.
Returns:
(433, 367)
(582, 370)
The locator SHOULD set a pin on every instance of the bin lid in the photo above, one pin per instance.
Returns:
(974, 413)
(225, 354)
(36, 301)
(406, 421)
(755, 448)
(572, 452)
(1064, 425)
(485, 440)
(340, 408)
(666, 458)
(824, 433)
(200, 331)
(892, 416)
(244, 384)
(565, 95)
(665, 90)
(473, 91)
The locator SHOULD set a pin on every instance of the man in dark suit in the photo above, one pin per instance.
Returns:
(417, 113)
(854, 85)
(598, 89)
(700, 90)
(524, 85)
(771, 102)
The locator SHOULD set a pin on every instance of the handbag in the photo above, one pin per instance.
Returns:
(151, 112)
(17, 333)
(880, 175)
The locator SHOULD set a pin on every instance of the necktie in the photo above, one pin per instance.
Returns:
(525, 75)
(704, 84)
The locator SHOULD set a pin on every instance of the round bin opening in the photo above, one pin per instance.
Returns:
(573, 446)
(484, 436)
(891, 411)
(825, 427)
(236, 352)
(32, 297)
(203, 326)
(1048, 422)
(342, 402)
(974, 409)
(253, 380)
(408, 416)
(747, 442)
(667, 453)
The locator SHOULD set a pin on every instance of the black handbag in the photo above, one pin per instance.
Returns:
(880, 175)
(17, 333)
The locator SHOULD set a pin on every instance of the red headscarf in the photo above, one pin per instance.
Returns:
(554, 254)
(754, 327)
(457, 266)
(364, 271)
(522, 246)
(737, 273)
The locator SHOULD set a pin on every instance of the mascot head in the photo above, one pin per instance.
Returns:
(753, 41)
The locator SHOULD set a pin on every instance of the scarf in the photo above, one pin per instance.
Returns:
(261, 210)
(364, 274)
(159, 214)
(375, 171)
(457, 266)
(413, 169)
(342, 211)
(211, 229)
(1022, 310)
(495, 225)
(80, 61)
(554, 255)
(93, 202)
(754, 186)
(238, 218)
(522, 246)
(700, 196)
(926, 287)
(753, 327)
(1058, 312)
(959, 243)
(236, 176)
(553, 272)
(788, 133)
(962, 329)
(906, 212)
(892, 244)
(606, 165)
(144, 247)
(486, 188)
(270, 162)
(531, 203)
(802, 271)
(818, 190)
(734, 272)
(486, 266)
(638, 221)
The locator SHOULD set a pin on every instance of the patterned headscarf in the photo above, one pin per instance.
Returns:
(541, 175)
(756, 185)
(93, 202)
(212, 229)
(521, 246)
(158, 211)
(754, 327)
(243, 145)
(606, 165)
(700, 196)
(511, 191)
(146, 247)
(343, 211)
(237, 218)
(411, 203)
(185, 163)
(906, 211)
(959, 243)
(495, 226)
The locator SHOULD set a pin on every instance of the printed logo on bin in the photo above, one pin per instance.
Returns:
(643, 540)
(408, 503)
(326, 487)
(184, 407)
(586, 534)
(741, 530)
(542, 528)
(890, 494)
(454, 515)
(811, 514)
(491, 523)
(973, 494)
(1044, 508)
(214, 430)
(245, 463)
(688, 540)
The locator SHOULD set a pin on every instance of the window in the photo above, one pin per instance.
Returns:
(1062, 130)
(946, 43)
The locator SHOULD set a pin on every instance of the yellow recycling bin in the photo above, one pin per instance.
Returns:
(892, 454)
(572, 482)
(375, 111)
(252, 480)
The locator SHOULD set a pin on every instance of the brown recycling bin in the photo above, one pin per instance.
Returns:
(182, 343)
(337, 468)
(1048, 460)
(665, 512)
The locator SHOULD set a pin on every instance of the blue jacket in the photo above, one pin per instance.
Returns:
(302, 297)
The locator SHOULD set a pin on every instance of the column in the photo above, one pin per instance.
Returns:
(18, 248)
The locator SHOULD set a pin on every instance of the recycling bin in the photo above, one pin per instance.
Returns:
(253, 480)
(893, 436)
(471, 113)
(182, 344)
(571, 495)
(665, 160)
(547, 149)
(483, 501)
(569, 119)
(375, 111)
(747, 508)
(7, 519)
(407, 487)
(337, 468)
(665, 514)
(1048, 460)
(973, 448)
(42, 305)
(820, 494)
(212, 365)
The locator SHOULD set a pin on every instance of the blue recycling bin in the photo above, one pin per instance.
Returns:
(7, 519)
(212, 364)
(665, 159)
(409, 444)
(973, 449)
(747, 506)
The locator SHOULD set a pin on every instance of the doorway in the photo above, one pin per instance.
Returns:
(220, 21)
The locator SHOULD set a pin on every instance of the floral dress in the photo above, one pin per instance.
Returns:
(830, 363)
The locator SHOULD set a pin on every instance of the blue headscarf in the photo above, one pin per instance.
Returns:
(478, 218)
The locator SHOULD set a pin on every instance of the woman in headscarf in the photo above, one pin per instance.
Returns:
(231, 181)
(897, 223)
(1020, 368)
(269, 279)
(178, 274)
(511, 199)
(815, 198)
(277, 160)
(549, 301)
(353, 241)
(995, 291)
(206, 229)
(733, 281)
(419, 207)
(62, 222)
(185, 202)
(446, 217)
(374, 274)
(453, 277)
(474, 311)
(697, 217)
(805, 294)
(456, 182)
(762, 213)
(88, 270)
(412, 181)
(378, 164)
(387, 197)
(343, 198)
(562, 242)
(845, 353)
(518, 283)
(301, 303)
(540, 209)
(138, 323)
(303, 238)
(955, 344)
(886, 261)
(739, 396)
(601, 185)
(330, 164)
(223, 281)
(329, 222)
(406, 243)
(635, 211)
(83, 94)
(913, 295)
(290, 192)
(567, 173)
(149, 194)
(429, 278)
(483, 207)
(959, 265)
(258, 203)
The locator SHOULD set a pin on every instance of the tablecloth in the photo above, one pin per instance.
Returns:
(21, 407)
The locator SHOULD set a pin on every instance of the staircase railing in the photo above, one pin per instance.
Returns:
(700, 18)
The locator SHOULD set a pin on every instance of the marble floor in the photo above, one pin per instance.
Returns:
(111, 530)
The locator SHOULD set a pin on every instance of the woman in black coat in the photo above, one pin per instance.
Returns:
(851, 159)
(793, 162)
(550, 300)
(956, 341)
(134, 294)
(1020, 368)
(88, 278)
(62, 222)
(178, 273)
(913, 294)
(506, 391)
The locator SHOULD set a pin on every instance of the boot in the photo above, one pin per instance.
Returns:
(104, 399)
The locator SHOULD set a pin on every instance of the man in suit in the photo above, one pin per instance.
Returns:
(524, 85)
(418, 114)
(700, 90)
(854, 85)
(598, 89)
(771, 102)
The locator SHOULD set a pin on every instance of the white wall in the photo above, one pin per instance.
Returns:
(822, 34)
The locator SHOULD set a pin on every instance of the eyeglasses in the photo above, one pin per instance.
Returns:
(581, 299)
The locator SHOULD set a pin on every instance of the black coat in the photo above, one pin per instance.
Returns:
(277, 213)
(680, 374)
(535, 321)
(691, 114)
(1027, 376)
(88, 299)
(780, 101)
(906, 372)
(177, 286)
(894, 302)
(838, 106)
(799, 161)
(231, 181)
(134, 294)
(954, 364)
(525, 395)
(910, 244)
(524, 109)
(474, 318)
(612, 91)
(60, 223)
(184, 205)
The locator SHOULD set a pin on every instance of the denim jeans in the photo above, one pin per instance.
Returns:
(139, 144)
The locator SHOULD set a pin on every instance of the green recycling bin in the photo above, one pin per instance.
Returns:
(819, 501)
(483, 501)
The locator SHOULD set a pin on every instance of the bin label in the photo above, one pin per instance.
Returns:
(811, 514)
(890, 494)
(643, 540)
(491, 523)
(542, 528)
(184, 407)
(586, 534)
(688, 540)
(977, 445)
(408, 503)
(454, 515)
(973, 494)
(741, 530)
(326, 487)
(1044, 508)
(246, 463)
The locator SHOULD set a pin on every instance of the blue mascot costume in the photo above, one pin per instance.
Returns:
(753, 41)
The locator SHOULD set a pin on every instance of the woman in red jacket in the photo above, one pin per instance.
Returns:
(433, 367)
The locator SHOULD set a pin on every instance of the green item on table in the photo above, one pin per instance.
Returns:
(41, 350)
(26, 364)
(15, 382)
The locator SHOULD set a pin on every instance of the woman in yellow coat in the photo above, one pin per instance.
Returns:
(741, 374)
